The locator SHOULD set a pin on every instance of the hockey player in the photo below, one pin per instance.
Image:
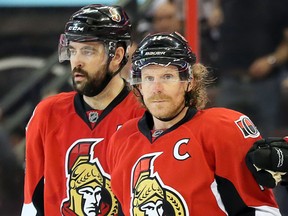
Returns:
(178, 158)
(67, 135)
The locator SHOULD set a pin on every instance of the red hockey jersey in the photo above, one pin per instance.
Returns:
(197, 167)
(66, 167)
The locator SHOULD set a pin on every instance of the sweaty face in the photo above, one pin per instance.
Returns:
(163, 91)
(88, 63)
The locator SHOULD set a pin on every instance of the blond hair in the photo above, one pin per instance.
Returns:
(198, 97)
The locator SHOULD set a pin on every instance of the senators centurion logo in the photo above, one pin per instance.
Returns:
(88, 186)
(150, 196)
(115, 16)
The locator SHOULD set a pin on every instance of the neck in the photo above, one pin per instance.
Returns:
(109, 93)
(158, 124)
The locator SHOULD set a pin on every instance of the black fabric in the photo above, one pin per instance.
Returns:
(231, 199)
(120, 212)
(146, 124)
(80, 106)
(38, 198)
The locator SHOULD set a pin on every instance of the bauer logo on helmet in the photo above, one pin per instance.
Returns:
(155, 53)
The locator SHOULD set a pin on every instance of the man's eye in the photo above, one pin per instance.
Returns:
(88, 52)
(168, 77)
(149, 79)
(71, 52)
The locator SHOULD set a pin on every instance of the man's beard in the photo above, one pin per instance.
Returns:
(172, 113)
(94, 85)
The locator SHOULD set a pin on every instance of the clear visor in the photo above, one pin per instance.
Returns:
(183, 68)
(63, 52)
(63, 46)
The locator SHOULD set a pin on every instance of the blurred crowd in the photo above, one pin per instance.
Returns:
(244, 43)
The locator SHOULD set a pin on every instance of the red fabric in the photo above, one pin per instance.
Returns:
(212, 144)
(52, 130)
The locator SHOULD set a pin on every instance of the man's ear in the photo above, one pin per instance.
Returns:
(190, 84)
(116, 60)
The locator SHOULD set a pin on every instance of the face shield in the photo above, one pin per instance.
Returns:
(184, 68)
(63, 46)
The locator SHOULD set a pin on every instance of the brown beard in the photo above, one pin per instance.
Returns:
(94, 85)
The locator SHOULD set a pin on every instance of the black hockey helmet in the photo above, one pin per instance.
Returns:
(163, 49)
(97, 22)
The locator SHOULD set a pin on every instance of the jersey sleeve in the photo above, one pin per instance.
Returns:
(34, 162)
(236, 185)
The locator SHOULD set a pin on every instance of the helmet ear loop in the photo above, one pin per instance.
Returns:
(112, 46)
(125, 57)
(110, 50)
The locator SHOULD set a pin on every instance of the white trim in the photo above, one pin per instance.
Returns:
(28, 210)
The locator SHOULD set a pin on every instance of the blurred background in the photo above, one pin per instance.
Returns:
(243, 47)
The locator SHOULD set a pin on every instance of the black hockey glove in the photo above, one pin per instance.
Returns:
(268, 161)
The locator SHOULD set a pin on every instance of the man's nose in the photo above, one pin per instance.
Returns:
(77, 60)
(157, 86)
